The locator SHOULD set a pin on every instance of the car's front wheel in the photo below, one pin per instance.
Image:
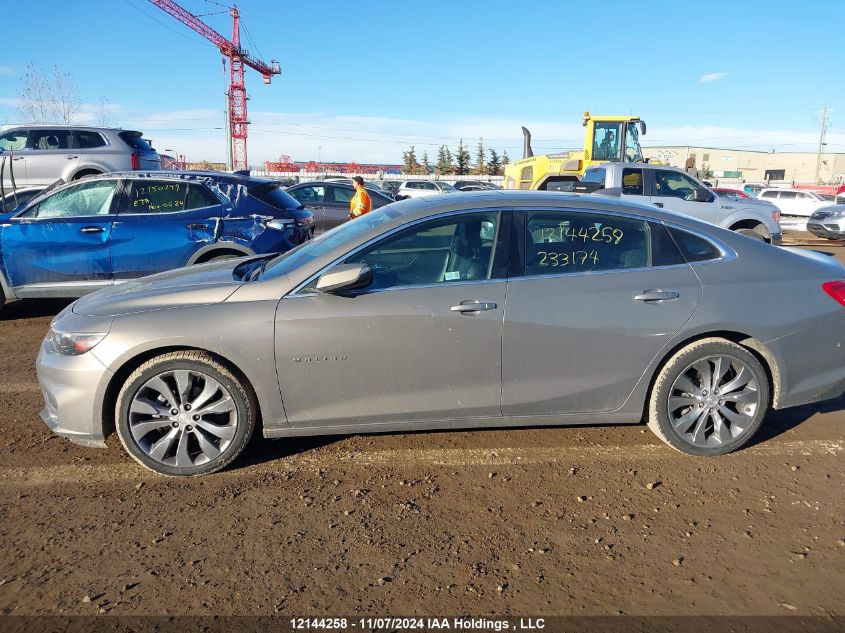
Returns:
(709, 399)
(184, 413)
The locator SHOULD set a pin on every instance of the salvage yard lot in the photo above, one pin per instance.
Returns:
(586, 520)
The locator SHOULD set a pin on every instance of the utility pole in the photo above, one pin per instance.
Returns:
(822, 133)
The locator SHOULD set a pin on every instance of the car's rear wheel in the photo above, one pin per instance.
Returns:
(184, 413)
(709, 399)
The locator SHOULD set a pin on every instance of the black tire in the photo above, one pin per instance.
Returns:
(203, 364)
(660, 419)
(86, 173)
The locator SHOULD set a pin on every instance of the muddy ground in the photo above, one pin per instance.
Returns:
(595, 520)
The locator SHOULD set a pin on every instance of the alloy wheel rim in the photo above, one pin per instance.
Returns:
(714, 401)
(183, 418)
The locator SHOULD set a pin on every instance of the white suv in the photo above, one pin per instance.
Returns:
(795, 201)
(420, 188)
(42, 154)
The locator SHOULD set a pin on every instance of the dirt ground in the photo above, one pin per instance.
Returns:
(587, 520)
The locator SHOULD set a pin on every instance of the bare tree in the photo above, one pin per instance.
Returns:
(48, 98)
(103, 111)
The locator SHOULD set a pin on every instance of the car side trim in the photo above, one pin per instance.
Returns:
(61, 290)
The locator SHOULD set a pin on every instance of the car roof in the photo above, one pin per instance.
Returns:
(339, 181)
(505, 198)
(180, 174)
(63, 126)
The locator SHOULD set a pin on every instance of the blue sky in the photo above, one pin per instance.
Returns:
(362, 81)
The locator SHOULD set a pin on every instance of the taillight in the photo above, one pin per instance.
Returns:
(836, 289)
(776, 217)
(136, 160)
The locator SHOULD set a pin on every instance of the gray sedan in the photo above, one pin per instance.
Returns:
(465, 311)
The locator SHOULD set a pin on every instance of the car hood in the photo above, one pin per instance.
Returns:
(198, 285)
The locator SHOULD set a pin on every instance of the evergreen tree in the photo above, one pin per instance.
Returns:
(409, 161)
(494, 165)
(462, 159)
(426, 166)
(444, 161)
(480, 160)
(506, 160)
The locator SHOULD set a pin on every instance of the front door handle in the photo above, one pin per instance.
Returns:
(92, 229)
(17, 158)
(198, 226)
(656, 296)
(71, 157)
(658, 204)
(470, 307)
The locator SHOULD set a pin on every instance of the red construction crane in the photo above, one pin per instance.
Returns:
(238, 58)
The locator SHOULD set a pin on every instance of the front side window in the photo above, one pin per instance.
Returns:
(765, 194)
(606, 138)
(436, 252)
(674, 184)
(14, 140)
(565, 242)
(84, 199)
(164, 196)
(50, 139)
(309, 195)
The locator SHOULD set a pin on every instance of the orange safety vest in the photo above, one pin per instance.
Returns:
(360, 204)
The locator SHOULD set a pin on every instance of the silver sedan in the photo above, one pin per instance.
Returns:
(465, 311)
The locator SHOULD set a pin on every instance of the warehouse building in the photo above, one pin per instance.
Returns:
(753, 166)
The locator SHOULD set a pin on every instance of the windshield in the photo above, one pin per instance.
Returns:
(445, 186)
(319, 246)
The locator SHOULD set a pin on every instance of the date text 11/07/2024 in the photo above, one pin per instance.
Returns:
(416, 623)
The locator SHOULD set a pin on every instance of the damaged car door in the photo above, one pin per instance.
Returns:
(161, 224)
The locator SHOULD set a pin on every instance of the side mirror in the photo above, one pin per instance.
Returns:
(345, 277)
(642, 128)
(703, 195)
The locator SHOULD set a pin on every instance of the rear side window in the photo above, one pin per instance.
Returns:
(163, 196)
(88, 140)
(561, 242)
(632, 182)
(199, 197)
(274, 196)
(50, 140)
(694, 248)
(136, 141)
(769, 194)
(786, 195)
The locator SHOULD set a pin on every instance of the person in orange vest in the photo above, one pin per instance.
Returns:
(360, 203)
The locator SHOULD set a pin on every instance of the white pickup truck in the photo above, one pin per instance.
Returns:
(676, 190)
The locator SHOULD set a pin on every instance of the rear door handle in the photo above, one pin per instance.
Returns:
(658, 204)
(198, 226)
(92, 229)
(17, 158)
(72, 156)
(656, 296)
(473, 306)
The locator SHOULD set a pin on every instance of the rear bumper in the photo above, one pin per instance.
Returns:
(811, 363)
(73, 389)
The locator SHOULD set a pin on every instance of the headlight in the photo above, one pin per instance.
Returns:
(71, 344)
(280, 225)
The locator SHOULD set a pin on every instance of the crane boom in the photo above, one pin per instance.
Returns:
(238, 58)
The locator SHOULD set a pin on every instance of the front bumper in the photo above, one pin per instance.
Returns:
(776, 239)
(73, 389)
(834, 229)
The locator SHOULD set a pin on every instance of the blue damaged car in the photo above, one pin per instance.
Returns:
(105, 229)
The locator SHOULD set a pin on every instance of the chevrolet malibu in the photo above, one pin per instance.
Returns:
(490, 309)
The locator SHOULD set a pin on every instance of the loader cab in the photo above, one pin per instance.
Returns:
(614, 139)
